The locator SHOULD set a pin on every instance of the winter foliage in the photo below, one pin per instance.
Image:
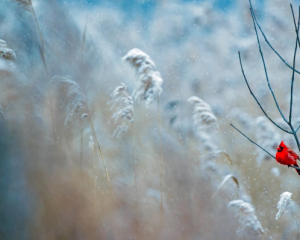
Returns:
(83, 158)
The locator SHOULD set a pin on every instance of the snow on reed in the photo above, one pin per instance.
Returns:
(203, 117)
(249, 225)
(71, 100)
(266, 137)
(7, 58)
(149, 88)
(284, 201)
(123, 104)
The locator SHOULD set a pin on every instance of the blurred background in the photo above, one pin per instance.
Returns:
(53, 183)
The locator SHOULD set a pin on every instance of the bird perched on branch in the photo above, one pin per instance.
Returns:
(287, 156)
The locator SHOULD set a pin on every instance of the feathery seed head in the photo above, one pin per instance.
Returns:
(139, 60)
(71, 100)
(150, 80)
(123, 104)
(202, 115)
(249, 225)
(284, 202)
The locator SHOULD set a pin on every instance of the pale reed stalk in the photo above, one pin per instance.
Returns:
(27, 4)
(249, 225)
(100, 151)
(284, 202)
(148, 90)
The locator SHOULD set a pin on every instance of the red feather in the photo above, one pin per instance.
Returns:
(286, 156)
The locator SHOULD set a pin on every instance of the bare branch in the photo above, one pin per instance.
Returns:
(292, 83)
(268, 43)
(259, 145)
(265, 69)
(296, 28)
(293, 77)
(252, 141)
(257, 100)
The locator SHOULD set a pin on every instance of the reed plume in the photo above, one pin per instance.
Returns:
(203, 116)
(249, 225)
(284, 201)
(203, 120)
(71, 100)
(122, 104)
(149, 88)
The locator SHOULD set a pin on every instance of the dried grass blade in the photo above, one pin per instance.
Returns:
(236, 181)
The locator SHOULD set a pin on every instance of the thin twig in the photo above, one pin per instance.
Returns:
(252, 141)
(259, 145)
(265, 69)
(296, 27)
(268, 43)
(292, 84)
(257, 100)
(297, 33)
(293, 77)
(294, 62)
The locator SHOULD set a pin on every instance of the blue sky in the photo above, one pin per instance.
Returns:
(146, 4)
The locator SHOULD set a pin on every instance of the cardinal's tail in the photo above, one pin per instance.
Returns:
(297, 169)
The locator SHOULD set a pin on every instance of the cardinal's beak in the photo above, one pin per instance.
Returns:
(278, 148)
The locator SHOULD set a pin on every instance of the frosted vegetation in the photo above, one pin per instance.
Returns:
(115, 124)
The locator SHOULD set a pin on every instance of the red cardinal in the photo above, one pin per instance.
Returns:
(287, 156)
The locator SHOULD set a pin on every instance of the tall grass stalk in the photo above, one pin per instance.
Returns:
(83, 41)
(102, 158)
(81, 62)
(134, 163)
(160, 155)
(27, 4)
(81, 142)
(135, 180)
